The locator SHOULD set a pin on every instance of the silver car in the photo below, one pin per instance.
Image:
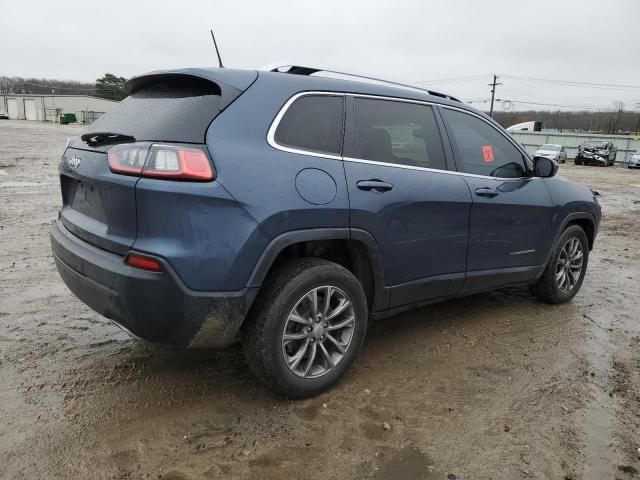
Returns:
(4, 115)
(634, 160)
(552, 151)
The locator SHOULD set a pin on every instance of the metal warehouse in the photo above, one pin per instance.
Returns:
(47, 108)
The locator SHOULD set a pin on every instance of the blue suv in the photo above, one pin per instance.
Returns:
(290, 208)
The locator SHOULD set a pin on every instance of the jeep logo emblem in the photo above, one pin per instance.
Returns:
(74, 162)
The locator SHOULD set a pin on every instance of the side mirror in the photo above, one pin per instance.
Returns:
(544, 167)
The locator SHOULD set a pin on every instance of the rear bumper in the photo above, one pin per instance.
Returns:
(153, 306)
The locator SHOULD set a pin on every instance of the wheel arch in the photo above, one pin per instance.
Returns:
(354, 249)
(584, 220)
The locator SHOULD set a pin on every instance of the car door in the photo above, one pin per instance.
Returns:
(511, 215)
(401, 193)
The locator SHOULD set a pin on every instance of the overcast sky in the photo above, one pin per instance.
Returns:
(595, 41)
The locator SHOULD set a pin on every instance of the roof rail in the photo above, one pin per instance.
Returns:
(302, 70)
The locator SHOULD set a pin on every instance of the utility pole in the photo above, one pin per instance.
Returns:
(638, 124)
(493, 92)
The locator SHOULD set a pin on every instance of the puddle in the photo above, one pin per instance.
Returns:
(597, 420)
(408, 463)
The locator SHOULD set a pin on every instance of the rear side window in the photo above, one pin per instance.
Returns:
(171, 109)
(396, 132)
(480, 148)
(313, 123)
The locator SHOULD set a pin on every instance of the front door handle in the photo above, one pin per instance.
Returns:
(375, 185)
(486, 192)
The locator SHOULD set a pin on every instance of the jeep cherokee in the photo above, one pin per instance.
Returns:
(291, 208)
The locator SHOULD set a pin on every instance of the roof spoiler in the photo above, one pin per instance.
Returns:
(230, 82)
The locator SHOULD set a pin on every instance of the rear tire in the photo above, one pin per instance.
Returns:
(561, 279)
(292, 339)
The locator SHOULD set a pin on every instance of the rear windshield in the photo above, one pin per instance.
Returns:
(550, 147)
(177, 109)
(596, 144)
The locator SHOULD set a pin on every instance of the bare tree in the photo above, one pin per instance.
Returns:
(615, 117)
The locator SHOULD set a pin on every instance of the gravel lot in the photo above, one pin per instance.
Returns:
(491, 386)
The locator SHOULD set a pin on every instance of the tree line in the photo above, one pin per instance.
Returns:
(108, 86)
(615, 121)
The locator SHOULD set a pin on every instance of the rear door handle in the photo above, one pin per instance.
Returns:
(486, 192)
(375, 185)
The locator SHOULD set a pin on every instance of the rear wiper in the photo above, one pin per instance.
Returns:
(104, 138)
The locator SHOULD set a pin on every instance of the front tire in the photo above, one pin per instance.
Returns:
(306, 327)
(564, 274)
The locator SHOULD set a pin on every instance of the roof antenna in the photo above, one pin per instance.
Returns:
(217, 51)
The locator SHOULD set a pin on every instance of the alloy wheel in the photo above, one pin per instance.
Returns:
(318, 332)
(569, 266)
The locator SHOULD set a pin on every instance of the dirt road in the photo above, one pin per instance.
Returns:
(493, 386)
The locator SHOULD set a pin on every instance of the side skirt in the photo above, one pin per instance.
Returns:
(475, 282)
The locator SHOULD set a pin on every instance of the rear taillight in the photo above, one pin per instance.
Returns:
(170, 162)
(128, 158)
(180, 163)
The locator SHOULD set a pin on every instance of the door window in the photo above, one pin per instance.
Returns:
(395, 132)
(313, 123)
(480, 148)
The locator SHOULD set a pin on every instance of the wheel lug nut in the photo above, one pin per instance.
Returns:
(309, 329)
(313, 340)
(326, 325)
(321, 337)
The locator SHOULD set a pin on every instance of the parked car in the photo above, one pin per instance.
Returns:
(552, 151)
(634, 160)
(596, 152)
(4, 115)
(292, 208)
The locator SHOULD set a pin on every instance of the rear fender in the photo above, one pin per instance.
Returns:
(273, 249)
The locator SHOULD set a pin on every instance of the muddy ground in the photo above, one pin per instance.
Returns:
(492, 386)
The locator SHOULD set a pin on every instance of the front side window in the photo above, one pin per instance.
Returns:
(395, 132)
(481, 149)
(313, 123)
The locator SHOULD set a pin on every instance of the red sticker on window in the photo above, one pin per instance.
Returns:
(487, 153)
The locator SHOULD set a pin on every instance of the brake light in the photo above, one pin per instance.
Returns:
(179, 163)
(144, 263)
(170, 162)
(128, 158)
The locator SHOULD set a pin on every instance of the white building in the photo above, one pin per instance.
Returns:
(47, 108)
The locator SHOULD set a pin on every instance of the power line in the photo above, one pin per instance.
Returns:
(551, 104)
(453, 79)
(572, 83)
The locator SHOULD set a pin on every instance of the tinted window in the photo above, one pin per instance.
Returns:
(313, 122)
(396, 132)
(480, 148)
(172, 110)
